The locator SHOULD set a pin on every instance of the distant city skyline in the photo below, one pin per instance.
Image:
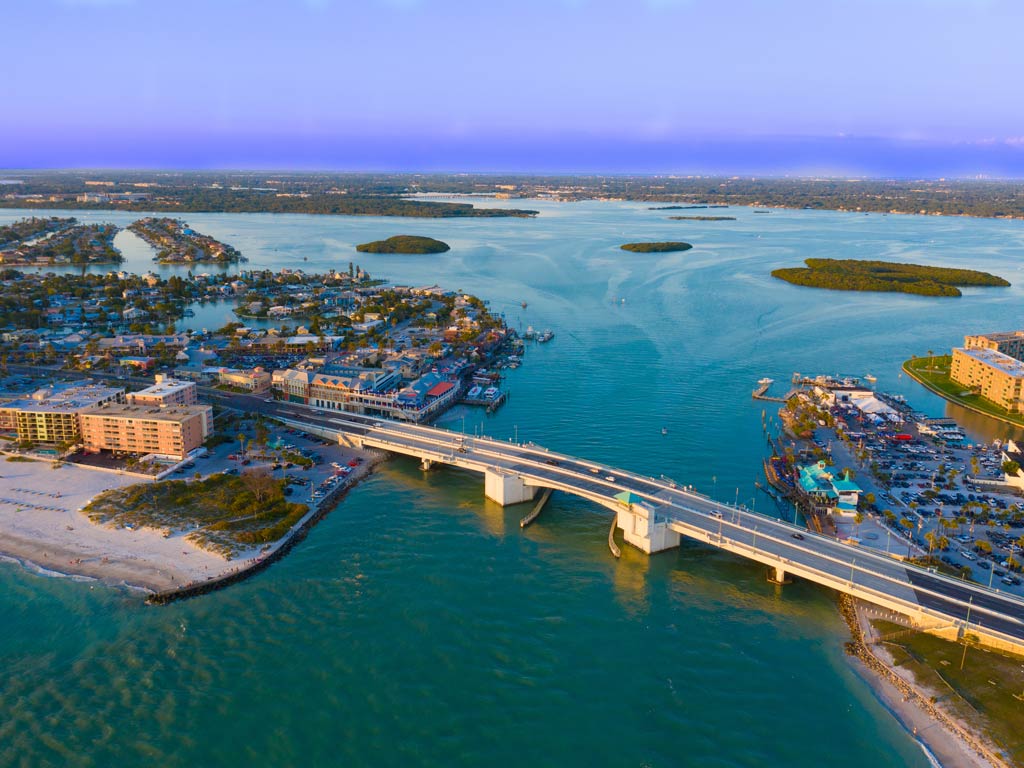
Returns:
(899, 88)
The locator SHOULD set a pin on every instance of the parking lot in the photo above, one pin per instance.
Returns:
(941, 495)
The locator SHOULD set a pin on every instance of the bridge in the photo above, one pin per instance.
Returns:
(653, 514)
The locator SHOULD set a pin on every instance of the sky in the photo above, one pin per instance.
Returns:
(872, 87)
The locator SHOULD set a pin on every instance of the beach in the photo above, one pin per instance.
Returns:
(948, 740)
(41, 524)
(42, 527)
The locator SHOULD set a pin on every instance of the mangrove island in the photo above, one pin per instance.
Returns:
(404, 244)
(857, 275)
(663, 247)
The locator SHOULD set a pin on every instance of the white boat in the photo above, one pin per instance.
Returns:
(870, 378)
(474, 393)
(490, 393)
(765, 382)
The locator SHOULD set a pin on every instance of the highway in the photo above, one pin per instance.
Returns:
(928, 596)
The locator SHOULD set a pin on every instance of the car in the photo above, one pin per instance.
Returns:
(610, 478)
(798, 536)
(552, 462)
(595, 471)
(984, 564)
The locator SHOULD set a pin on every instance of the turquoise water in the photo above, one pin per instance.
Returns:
(418, 625)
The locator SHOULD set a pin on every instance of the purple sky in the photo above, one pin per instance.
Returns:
(912, 87)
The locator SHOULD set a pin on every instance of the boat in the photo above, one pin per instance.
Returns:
(523, 305)
(545, 337)
(474, 393)
(530, 333)
(490, 393)
(766, 382)
(664, 430)
(870, 378)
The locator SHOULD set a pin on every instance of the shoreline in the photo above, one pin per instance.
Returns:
(68, 545)
(956, 401)
(944, 737)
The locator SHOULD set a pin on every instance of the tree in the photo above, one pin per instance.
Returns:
(858, 518)
(241, 442)
(260, 483)
(1011, 468)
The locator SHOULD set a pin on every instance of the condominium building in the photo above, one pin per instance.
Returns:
(995, 376)
(1008, 342)
(169, 431)
(166, 391)
(51, 415)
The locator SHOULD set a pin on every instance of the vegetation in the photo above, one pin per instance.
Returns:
(223, 513)
(25, 229)
(702, 218)
(933, 373)
(386, 194)
(856, 275)
(989, 684)
(662, 247)
(404, 244)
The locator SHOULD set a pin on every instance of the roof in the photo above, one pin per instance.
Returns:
(845, 484)
(439, 389)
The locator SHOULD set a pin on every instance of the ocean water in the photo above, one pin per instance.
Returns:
(419, 625)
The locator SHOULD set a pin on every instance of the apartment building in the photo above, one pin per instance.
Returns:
(994, 375)
(166, 391)
(169, 431)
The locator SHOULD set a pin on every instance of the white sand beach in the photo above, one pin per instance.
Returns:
(41, 523)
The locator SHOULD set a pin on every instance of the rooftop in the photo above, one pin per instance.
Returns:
(998, 360)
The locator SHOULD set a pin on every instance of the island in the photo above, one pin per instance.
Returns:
(667, 246)
(21, 230)
(176, 243)
(702, 218)
(404, 244)
(885, 276)
(66, 245)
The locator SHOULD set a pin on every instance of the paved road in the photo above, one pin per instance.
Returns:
(738, 530)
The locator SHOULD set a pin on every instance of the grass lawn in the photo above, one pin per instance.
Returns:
(933, 373)
(989, 684)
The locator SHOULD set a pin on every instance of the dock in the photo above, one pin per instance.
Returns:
(491, 405)
(760, 394)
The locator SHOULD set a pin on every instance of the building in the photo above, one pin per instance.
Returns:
(1008, 342)
(994, 375)
(827, 492)
(168, 431)
(256, 380)
(291, 385)
(166, 391)
(51, 415)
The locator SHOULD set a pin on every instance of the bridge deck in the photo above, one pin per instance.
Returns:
(930, 598)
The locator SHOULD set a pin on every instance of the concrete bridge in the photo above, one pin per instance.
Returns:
(654, 514)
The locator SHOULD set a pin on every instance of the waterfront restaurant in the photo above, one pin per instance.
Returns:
(828, 493)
